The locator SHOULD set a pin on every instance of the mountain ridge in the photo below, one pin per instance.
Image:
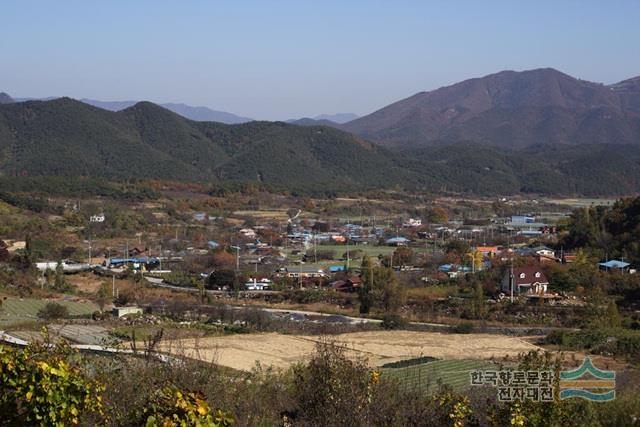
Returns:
(517, 104)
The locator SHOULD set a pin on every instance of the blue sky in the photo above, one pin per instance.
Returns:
(284, 59)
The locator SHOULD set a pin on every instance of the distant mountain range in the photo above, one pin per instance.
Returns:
(5, 98)
(510, 109)
(65, 137)
(333, 120)
(202, 114)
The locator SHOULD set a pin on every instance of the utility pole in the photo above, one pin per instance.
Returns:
(237, 248)
(511, 277)
(348, 253)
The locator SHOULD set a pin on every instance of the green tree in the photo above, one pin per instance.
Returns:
(59, 282)
(53, 310)
(613, 315)
(478, 302)
(366, 285)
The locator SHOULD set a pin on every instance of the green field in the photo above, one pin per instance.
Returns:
(428, 376)
(17, 310)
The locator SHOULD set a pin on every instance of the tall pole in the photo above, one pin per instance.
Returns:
(511, 277)
(348, 253)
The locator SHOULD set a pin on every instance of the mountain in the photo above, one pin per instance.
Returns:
(5, 98)
(65, 137)
(68, 138)
(331, 120)
(339, 118)
(203, 114)
(306, 121)
(510, 109)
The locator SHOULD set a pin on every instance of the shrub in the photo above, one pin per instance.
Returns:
(393, 321)
(53, 310)
(463, 328)
(172, 406)
(39, 388)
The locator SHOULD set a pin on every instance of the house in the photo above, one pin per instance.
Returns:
(248, 233)
(615, 264)
(125, 311)
(544, 251)
(336, 268)
(398, 241)
(350, 284)
(488, 251)
(526, 280)
(302, 271)
(258, 285)
(411, 222)
(522, 219)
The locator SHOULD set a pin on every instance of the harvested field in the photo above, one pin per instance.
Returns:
(379, 347)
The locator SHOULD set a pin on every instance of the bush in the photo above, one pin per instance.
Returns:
(172, 406)
(39, 388)
(53, 310)
(393, 321)
(463, 328)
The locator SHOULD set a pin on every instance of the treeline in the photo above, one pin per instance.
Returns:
(607, 232)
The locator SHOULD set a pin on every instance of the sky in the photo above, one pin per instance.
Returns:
(277, 60)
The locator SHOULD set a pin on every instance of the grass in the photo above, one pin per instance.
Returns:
(428, 376)
(18, 310)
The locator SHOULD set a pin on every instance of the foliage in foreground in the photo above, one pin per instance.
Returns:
(44, 386)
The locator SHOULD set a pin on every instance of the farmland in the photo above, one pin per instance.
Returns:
(271, 349)
(17, 310)
(428, 376)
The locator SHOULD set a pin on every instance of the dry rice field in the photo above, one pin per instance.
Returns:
(243, 351)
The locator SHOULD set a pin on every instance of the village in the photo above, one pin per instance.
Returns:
(415, 287)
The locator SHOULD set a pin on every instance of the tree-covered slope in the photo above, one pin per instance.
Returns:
(68, 138)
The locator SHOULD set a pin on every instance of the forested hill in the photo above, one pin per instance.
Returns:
(69, 138)
(63, 137)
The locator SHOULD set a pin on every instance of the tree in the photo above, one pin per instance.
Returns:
(402, 256)
(221, 278)
(476, 259)
(613, 315)
(478, 302)
(436, 215)
(366, 285)
(393, 295)
(102, 297)
(53, 310)
(223, 259)
(59, 281)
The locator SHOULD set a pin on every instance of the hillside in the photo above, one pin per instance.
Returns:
(510, 109)
(64, 137)
(68, 138)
